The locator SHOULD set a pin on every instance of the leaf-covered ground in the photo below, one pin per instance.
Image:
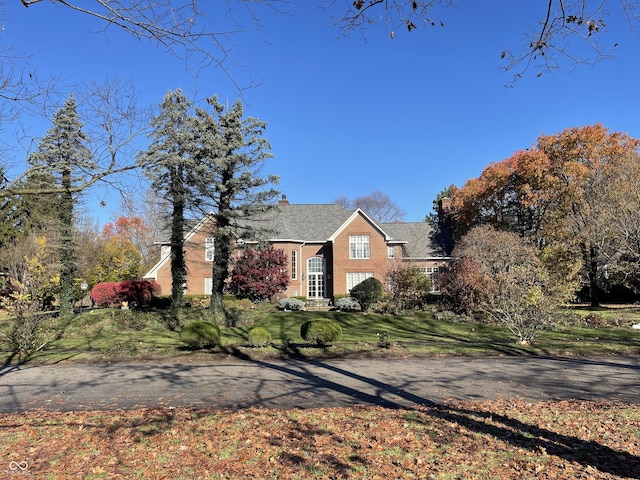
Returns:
(499, 439)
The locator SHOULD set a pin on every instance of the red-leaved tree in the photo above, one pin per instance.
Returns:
(260, 274)
(138, 292)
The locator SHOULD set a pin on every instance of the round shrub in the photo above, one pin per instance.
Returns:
(106, 294)
(259, 337)
(290, 304)
(200, 334)
(347, 304)
(321, 331)
(367, 292)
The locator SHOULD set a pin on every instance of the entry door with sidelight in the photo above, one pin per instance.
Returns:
(315, 277)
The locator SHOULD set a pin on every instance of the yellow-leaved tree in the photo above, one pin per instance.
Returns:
(32, 284)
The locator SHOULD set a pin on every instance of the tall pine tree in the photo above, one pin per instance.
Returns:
(232, 189)
(169, 164)
(64, 160)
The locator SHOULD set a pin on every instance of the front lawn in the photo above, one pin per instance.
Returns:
(500, 439)
(105, 334)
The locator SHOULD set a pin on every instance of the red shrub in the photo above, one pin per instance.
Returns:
(135, 292)
(106, 294)
(138, 292)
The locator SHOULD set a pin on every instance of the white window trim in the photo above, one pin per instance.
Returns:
(209, 249)
(294, 264)
(208, 286)
(432, 273)
(359, 247)
(354, 278)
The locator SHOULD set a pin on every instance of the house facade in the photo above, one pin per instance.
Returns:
(329, 249)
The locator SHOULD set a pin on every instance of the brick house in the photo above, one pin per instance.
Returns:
(330, 250)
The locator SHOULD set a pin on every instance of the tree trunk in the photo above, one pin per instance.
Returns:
(178, 268)
(220, 271)
(590, 255)
(223, 240)
(67, 254)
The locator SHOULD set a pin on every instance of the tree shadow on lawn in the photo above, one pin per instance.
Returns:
(510, 430)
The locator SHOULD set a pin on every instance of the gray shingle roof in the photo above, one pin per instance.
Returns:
(318, 222)
(305, 222)
(423, 240)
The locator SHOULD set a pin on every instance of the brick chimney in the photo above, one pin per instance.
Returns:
(444, 206)
(283, 200)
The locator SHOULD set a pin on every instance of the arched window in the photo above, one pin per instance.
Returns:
(315, 277)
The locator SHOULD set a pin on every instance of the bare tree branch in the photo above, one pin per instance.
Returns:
(113, 122)
(548, 46)
(179, 27)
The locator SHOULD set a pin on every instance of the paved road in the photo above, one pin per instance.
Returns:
(236, 383)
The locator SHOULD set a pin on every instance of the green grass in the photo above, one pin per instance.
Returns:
(107, 334)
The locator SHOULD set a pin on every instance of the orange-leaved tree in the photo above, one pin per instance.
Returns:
(561, 194)
(583, 163)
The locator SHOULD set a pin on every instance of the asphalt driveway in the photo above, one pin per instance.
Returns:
(235, 383)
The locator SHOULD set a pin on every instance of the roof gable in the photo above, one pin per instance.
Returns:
(352, 217)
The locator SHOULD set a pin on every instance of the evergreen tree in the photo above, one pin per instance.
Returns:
(63, 160)
(169, 163)
(231, 151)
(21, 215)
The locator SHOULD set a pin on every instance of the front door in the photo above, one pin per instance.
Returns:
(315, 277)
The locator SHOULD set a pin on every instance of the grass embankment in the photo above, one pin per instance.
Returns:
(113, 334)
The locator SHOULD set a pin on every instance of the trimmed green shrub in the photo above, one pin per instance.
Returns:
(290, 304)
(367, 292)
(259, 337)
(347, 304)
(201, 334)
(238, 317)
(321, 331)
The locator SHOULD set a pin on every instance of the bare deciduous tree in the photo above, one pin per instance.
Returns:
(377, 204)
(500, 274)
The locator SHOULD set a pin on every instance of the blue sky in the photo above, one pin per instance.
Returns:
(408, 116)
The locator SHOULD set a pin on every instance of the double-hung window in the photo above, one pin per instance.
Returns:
(208, 249)
(359, 246)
